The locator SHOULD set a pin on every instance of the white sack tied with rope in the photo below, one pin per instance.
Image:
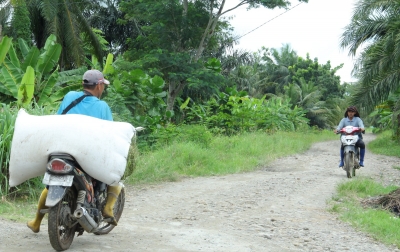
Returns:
(101, 147)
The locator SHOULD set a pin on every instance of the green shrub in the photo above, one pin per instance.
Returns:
(171, 133)
(198, 134)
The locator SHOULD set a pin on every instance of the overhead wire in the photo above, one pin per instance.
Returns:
(289, 9)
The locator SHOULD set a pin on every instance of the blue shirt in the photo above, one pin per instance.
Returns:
(90, 106)
(355, 122)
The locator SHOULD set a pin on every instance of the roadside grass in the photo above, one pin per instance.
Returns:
(19, 210)
(384, 144)
(380, 224)
(19, 206)
(223, 155)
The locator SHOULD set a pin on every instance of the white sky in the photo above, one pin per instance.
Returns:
(314, 27)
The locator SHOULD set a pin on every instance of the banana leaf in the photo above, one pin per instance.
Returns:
(108, 68)
(48, 60)
(4, 47)
(23, 47)
(59, 94)
(27, 87)
(31, 58)
(13, 57)
(11, 77)
(47, 88)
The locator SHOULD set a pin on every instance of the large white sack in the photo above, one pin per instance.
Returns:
(101, 147)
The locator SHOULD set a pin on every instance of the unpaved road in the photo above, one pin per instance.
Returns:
(281, 207)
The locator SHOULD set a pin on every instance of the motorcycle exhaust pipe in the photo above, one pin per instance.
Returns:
(85, 220)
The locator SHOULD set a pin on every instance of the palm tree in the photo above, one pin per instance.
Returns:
(277, 64)
(374, 32)
(307, 96)
(107, 17)
(67, 19)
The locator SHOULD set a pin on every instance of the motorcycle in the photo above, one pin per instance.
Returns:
(74, 152)
(349, 139)
(75, 202)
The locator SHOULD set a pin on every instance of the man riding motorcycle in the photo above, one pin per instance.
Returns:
(352, 118)
(86, 102)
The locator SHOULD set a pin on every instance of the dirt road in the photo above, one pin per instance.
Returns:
(281, 207)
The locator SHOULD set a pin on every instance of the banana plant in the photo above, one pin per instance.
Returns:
(36, 75)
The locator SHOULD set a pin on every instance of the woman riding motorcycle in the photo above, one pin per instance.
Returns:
(352, 118)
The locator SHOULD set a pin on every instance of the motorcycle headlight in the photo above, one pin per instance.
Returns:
(349, 130)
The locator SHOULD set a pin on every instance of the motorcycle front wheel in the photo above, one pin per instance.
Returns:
(349, 164)
(61, 231)
(105, 227)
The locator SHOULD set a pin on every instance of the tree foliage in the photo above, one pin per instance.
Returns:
(186, 30)
(374, 34)
(117, 31)
(20, 23)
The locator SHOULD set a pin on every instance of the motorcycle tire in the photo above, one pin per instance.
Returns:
(349, 164)
(105, 227)
(60, 228)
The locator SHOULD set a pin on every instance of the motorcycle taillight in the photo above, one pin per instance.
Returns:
(59, 166)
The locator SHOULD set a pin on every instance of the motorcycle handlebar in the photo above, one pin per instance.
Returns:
(338, 132)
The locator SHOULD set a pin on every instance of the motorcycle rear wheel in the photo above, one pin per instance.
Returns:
(349, 164)
(60, 229)
(105, 227)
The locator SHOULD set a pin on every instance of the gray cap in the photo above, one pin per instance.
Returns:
(93, 77)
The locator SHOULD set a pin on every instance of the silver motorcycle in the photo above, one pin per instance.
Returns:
(349, 139)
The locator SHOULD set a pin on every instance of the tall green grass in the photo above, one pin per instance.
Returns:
(380, 224)
(8, 115)
(223, 155)
(385, 144)
(7, 121)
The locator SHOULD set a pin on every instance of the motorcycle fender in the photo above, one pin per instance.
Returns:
(55, 194)
(349, 148)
